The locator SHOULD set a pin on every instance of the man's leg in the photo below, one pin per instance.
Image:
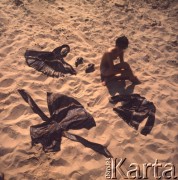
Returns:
(110, 74)
(126, 72)
(106, 79)
(106, 75)
(123, 69)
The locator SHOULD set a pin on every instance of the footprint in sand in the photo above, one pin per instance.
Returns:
(129, 150)
(173, 103)
(24, 124)
(11, 133)
(3, 96)
(16, 112)
(172, 63)
(176, 138)
(19, 162)
(78, 90)
(175, 159)
(174, 78)
(6, 82)
(100, 129)
(59, 162)
(4, 151)
(87, 158)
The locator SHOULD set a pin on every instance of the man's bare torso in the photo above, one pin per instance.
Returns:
(107, 61)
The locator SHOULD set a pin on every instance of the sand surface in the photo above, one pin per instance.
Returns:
(89, 27)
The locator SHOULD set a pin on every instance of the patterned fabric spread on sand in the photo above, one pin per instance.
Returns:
(134, 110)
(50, 63)
(65, 113)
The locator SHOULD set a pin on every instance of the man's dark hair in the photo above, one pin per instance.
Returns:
(122, 42)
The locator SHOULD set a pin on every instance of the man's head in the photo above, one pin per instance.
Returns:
(122, 42)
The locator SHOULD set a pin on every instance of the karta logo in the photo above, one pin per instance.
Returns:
(115, 168)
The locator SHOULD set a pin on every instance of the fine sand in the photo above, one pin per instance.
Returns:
(89, 27)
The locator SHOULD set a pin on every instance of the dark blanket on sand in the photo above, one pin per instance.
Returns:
(65, 113)
(134, 110)
(50, 63)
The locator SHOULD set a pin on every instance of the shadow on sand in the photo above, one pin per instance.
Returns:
(116, 86)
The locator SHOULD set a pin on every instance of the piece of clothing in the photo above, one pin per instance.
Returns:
(50, 63)
(65, 113)
(90, 68)
(79, 61)
(134, 110)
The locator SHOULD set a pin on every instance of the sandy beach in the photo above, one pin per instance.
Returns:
(89, 27)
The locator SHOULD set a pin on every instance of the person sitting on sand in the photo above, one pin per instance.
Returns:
(109, 70)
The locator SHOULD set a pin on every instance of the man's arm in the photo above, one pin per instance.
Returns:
(121, 57)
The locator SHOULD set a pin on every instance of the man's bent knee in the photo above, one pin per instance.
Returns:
(125, 65)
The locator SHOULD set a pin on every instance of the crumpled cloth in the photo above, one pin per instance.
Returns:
(134, 110)
(50, 63)
(65, 113)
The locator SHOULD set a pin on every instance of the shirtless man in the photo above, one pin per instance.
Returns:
(109, 70)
